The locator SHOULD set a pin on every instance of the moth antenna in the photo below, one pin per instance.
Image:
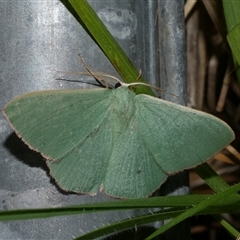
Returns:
(146, 84)
(92, 73)
(102, 74)
(101, 80)
(139, 75)
(149, 85)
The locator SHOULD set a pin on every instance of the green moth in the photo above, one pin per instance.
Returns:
(123, 144)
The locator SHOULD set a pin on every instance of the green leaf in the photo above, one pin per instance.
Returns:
(231, 11)
(227, 226)
(232, 16)
(108, 44)
(195, 209)
(234, 41)
(232, 203)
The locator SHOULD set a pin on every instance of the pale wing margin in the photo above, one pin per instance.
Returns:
(83, 169)
(180, 137)
(54, 122)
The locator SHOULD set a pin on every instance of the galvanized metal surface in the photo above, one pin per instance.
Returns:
(172, 48)
(38, 39)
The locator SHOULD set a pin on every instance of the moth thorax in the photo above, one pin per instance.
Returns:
(124, 105)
